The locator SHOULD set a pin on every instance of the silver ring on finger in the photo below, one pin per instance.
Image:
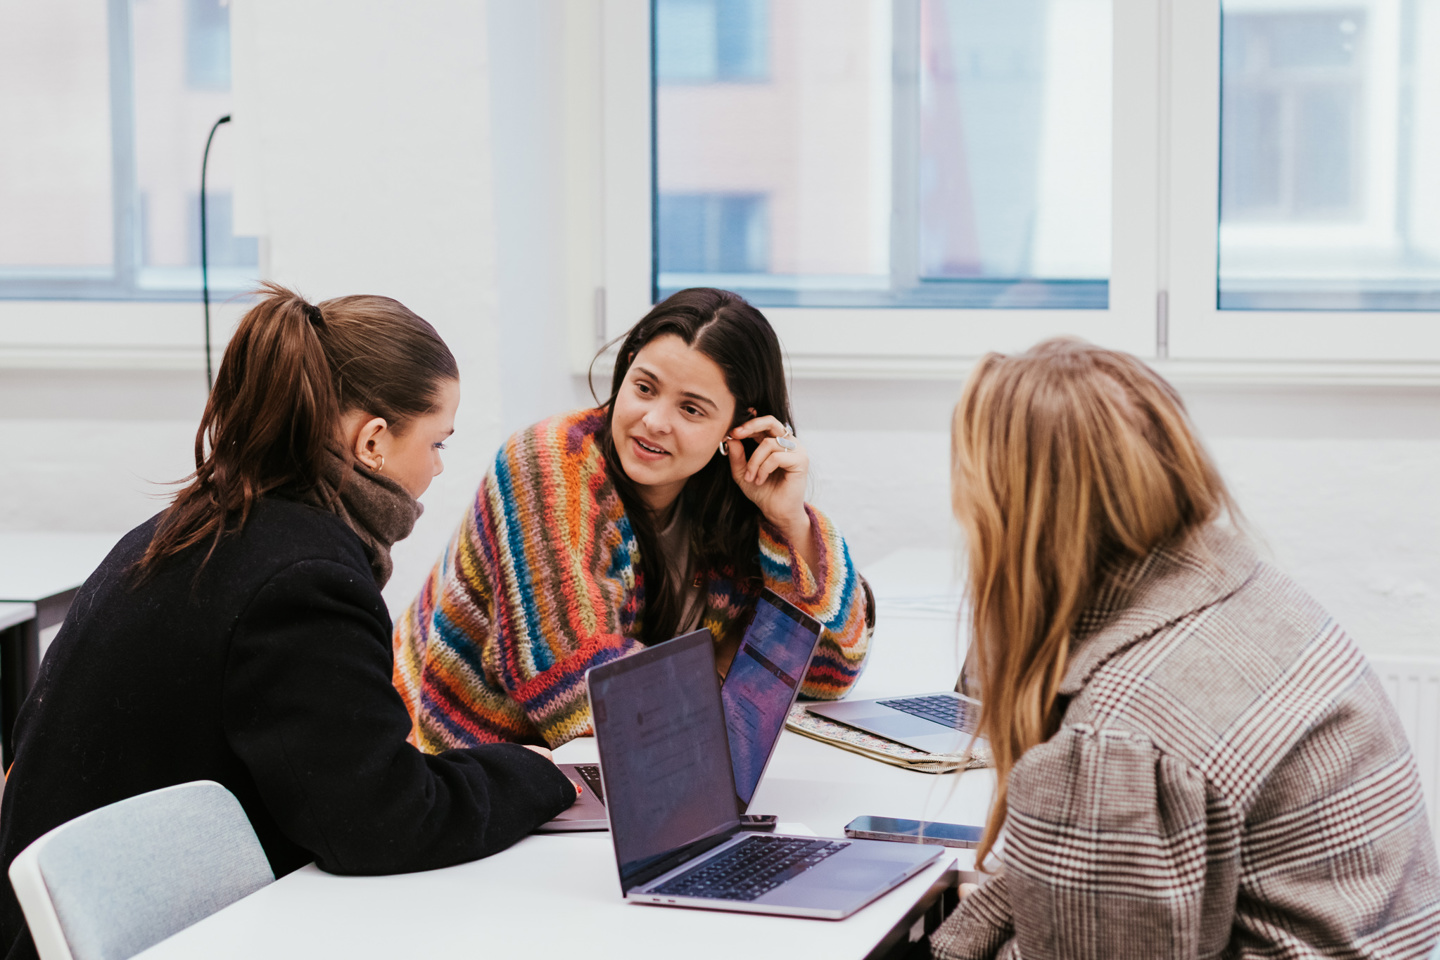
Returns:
(785, 443)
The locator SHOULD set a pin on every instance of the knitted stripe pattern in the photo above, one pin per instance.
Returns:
(542, 581)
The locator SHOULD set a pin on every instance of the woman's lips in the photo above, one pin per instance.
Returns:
(647, 452)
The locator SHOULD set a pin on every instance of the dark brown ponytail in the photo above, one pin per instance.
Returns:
(289, 373)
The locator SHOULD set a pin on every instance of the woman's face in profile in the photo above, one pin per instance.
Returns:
(412, 457)
(670, 415)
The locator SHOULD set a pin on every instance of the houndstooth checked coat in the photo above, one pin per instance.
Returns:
(1229, 780)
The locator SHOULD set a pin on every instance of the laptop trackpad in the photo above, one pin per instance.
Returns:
(858, 873)
(899, 725)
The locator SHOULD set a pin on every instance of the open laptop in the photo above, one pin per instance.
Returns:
(759, 689)
(933, 722)
(660, 726)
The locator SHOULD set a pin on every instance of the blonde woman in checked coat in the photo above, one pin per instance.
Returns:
(1193, 759)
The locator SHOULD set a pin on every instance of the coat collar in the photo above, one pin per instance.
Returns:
(1141, 596)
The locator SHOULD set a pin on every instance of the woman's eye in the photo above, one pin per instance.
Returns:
(440, 445)
(643, 388)
(693, 411)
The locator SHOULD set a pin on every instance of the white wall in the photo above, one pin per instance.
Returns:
(375, 161)
(366, 128)
(1340, 484)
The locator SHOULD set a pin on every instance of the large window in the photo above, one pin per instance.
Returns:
(106, 105)
(920, 153)
(904, 184)
(1330, 140)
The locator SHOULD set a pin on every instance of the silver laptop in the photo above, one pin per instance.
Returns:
(933, 722)
(759, 690)
(660, 726)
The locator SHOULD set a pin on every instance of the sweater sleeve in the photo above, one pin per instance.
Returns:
(308, 707)
(833, 593)
(536, 587)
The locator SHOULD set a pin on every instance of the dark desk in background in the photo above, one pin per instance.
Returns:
(42, 570)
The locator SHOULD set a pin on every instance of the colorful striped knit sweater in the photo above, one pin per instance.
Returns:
(543, 581)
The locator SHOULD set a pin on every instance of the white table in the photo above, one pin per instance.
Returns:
(14, 614)
(559, 895)
(43, 570)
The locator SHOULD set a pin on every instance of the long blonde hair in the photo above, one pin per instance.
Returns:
(1064, 459)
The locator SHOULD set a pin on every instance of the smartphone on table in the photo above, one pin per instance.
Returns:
(914, 831)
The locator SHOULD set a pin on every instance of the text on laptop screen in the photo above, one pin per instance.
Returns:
(768, 667)
(667, 779)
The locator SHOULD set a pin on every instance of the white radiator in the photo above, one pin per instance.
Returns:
(1414, 688)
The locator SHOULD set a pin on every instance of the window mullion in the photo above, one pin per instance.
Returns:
(124, 191)
(905, 147)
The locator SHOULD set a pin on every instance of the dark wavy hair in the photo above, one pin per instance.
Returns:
(724, 524)
(289, 373)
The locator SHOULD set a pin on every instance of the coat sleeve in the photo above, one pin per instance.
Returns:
(310, 710)
(536, 587)
(833, 593)
(1107, 854)
(980, 928)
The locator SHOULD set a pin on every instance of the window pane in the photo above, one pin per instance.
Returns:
(182, 86)
(1329, 134)
(56, 213)
(885, 152)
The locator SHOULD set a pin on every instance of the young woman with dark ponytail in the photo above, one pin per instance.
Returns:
(598, 532)
(240, 636)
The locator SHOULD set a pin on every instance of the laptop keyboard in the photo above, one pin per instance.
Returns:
(751, 868)
(590, 774)
(946, 711)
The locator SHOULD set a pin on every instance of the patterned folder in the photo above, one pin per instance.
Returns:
(802, 721)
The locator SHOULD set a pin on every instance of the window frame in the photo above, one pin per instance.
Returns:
(1406, 341)
(123, 285)
(842, 339)
(1164, 262)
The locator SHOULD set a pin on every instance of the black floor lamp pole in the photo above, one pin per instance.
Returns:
(205, 252)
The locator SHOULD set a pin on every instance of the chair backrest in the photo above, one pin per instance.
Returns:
(122, 878)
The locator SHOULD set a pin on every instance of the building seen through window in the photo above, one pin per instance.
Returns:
(713, 233)
(710, 41)
(109, 103)
(905, 153)
(1329, 138)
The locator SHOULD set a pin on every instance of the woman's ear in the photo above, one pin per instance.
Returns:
(369, 443)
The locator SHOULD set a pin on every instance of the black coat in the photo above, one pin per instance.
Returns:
(269, 672)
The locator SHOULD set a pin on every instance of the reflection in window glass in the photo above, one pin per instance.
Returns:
(1329, 132)
(56, 210)
(885, 152)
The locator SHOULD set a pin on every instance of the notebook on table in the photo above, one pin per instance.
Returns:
(670, 788)
(759, 690)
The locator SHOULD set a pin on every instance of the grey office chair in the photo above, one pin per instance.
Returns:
(122, 878)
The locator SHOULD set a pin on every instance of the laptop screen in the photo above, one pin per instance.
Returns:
(663, 756)
(761, 685)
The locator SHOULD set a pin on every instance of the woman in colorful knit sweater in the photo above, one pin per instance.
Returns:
(668, 507)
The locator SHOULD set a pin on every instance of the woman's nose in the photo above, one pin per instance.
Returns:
(656, 422)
